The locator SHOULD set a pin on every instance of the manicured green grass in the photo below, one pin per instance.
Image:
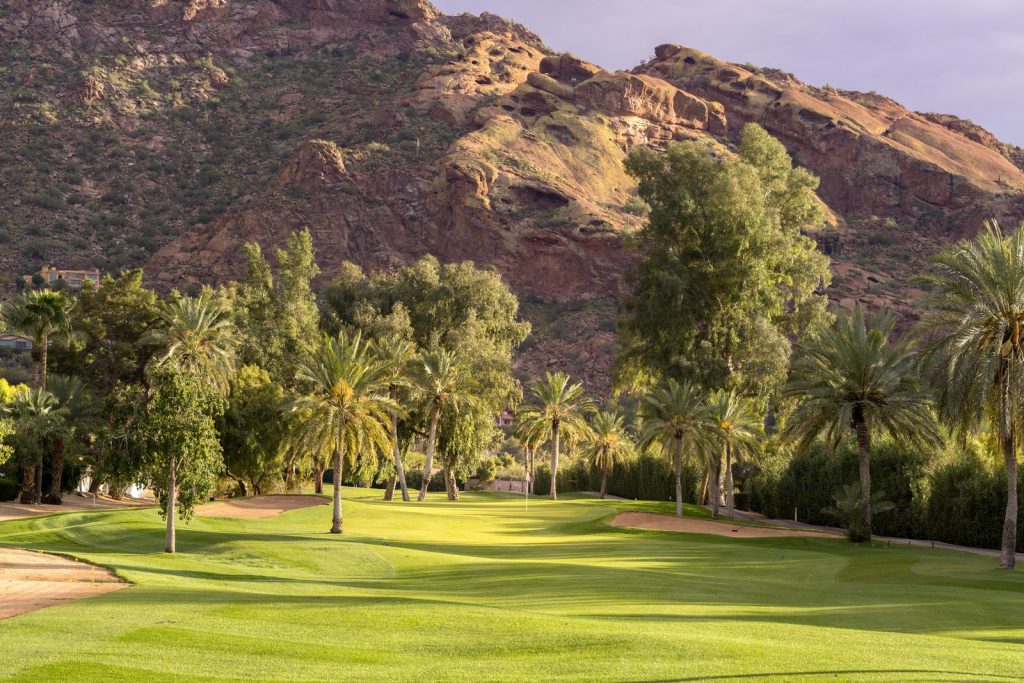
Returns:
(484, 590)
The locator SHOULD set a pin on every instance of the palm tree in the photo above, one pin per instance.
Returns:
(973, 349)
(76, 406)
(737, 428)
(531, 434)
(558, 410)
(347, 410)
(674, 416)
(37, 417)
(40, 315)
(608, 444)
(397, 354)
(196, 335)
(440, 381)
(852, 377)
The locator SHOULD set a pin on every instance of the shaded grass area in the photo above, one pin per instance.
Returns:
(486, 589)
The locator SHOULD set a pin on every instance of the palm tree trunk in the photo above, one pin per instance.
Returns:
(530, 469)
(677, 465)
(57, 472)
(399, 467)
(45, 350)
(172, 498)
(729, 499)
(435, 416)
(716, 488)
(336, 520)
(604, 484)
(35, 363)
(702, 496)
(318, 481)
(28, 484)
(389, 490)
(860, 426)
(37, 493)
(554, 461)
(1008, 444)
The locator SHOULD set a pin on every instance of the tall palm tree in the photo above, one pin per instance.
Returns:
(40, 315)
(558, 410)
(973, 351)
(196, 335)
(737, 427)
(397, 355)
(674, 416)
(531, 435)
(347, 410)
(76, 407)
(853, 377)
(441, 381)
(608, 444)
(37, 418)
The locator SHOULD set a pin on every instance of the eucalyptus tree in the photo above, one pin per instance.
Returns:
(557, 409)
(397, 355)
(737, 427)
(608, 444)
(973, 332)
(674, 416)
(854, 377)
(346, 410)
(531, 435)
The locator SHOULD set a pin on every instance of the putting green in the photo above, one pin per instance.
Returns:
(486, 590)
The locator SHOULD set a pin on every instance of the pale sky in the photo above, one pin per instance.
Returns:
(963, 57)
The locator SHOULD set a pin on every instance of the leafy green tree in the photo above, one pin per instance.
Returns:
(37, 418)
(608, 444)
(196, 335)
(737, 427)
(252, 430)
(440, 382)
(973, 353)
(851, 376)
(397, 355)
(183, 454)
(674, 417)
(109, 321)
(558, 409)
(77, 408)
(276, 314)
(347, 410)
(727, 275)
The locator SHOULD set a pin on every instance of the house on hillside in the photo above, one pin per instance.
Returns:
(72, 278)
(506, 418)
(15, 342)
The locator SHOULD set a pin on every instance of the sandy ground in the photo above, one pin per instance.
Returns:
(259, 507)
(30, 580)
(656, 522)
(72, 502)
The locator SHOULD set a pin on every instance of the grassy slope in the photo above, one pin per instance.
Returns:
(486, 590)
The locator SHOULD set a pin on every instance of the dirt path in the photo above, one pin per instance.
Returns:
(656, 522)
(72, 503)
(31, 580)
(259, 507)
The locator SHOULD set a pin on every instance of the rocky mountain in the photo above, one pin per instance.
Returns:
(169, 132)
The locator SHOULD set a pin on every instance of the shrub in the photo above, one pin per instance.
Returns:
(8, 489)
(967, 504)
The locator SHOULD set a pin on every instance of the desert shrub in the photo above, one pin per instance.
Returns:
(637, 207)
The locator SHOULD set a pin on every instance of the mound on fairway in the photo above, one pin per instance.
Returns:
(489, 589)
(657, 522)
(259, 507)
(31, 581)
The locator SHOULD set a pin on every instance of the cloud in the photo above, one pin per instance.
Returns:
(948, 56)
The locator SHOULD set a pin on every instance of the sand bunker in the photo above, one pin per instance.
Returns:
(656, 522)
(259, 507)
(31, 581)
(72, 503)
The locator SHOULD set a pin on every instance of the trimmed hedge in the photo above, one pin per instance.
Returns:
(646, 478)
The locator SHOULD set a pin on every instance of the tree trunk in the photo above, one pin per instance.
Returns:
(702, 496)
(444, 476)
(336, 521)
(604, 484)
(389, 492)
(37, 493)
(677, 466)
(435, 416)
(172, 498)
(452, 486)
(530, 469)
(318, 481)
(399, 466)
(716, 488)
(28, 484)
(54, 497)
(44, 353)
(1008, 444)
(554, 460)
(860, 425)
(729, 499)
